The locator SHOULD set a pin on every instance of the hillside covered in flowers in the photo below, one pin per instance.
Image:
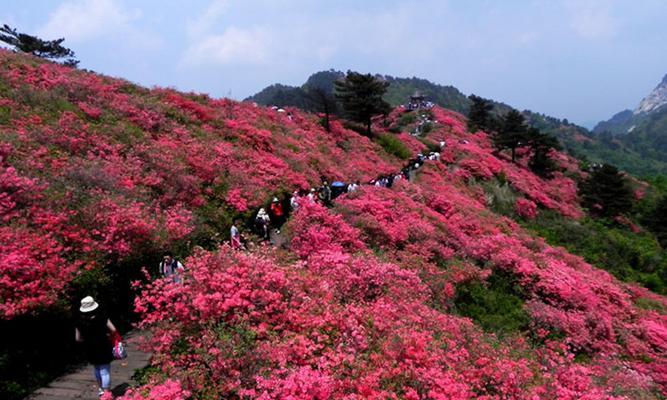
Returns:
(374, 298)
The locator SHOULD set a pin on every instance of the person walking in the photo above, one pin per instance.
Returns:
(93, 330)
(262, 222)
(277, 214)
(235, 236)
(325, 193)
(170, 267)
(294, 201)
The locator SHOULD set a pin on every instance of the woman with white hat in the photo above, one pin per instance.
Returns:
(262, 222)
(93, 331)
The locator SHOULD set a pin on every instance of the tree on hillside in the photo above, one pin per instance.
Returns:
(324, 102)
(606, 192)
(512, 133)
(361, 97)
(479, 115)
(47, 49)
(542, 144)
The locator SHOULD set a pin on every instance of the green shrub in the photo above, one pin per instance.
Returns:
(496, 305)
(629, 256)
(407, 119)
(393, 146)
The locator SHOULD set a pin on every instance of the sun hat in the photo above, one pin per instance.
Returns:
(88, 304)
(275, 199)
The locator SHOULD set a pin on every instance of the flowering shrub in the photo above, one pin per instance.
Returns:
(169, 390)
(525, 208)
(360, 303)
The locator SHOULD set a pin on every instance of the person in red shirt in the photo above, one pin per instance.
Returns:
(277, 213)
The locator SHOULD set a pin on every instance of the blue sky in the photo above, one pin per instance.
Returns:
(578, 59)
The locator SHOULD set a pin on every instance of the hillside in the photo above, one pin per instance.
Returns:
(576, 140)
(438, 287)
(642, 131)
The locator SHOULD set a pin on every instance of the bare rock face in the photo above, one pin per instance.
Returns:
(656, 99)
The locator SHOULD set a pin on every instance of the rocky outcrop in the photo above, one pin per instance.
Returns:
(656, 99)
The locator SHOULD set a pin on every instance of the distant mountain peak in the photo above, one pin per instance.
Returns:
(656, 99)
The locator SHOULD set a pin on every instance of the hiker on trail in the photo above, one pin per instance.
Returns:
(235, 237)
(262, 222)
(311, 196)
(277, 213)
(294, 201)
(92, 330)
(390, 181)
(352, 187)
(170, 267)
(325, 193)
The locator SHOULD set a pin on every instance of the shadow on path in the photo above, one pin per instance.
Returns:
(81, 383)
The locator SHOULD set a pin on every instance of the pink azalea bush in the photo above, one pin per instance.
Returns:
(360, 304)
(525, 208)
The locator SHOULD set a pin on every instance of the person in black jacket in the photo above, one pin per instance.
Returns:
(93, 331)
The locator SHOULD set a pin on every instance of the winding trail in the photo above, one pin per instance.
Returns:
(81, 383)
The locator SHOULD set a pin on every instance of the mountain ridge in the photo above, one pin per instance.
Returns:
(576, 140)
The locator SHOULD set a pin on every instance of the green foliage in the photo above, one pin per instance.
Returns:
(427, 127)
(496, 305)
(541, 144)
(430, 146)
(512, 132)
(144, 375)
(321, 100)
(651, 305)
(656, 221)
(361, 97)
(393, 146)
(5, 115)
(500, 196)
(606, 192)
(632, 257)
(407, 118)
(479, 115)
(400, 90)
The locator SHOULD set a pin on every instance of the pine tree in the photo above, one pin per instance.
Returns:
(322, 101)
(512, 133)
(47, 49)
(361, 97)
(606, 192)
(542, 144)
(479, 115)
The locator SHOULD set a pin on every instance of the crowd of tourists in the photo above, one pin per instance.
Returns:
(269, 220)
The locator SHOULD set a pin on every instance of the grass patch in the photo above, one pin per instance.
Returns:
(496, 305)
(629, 256)
(393, 146)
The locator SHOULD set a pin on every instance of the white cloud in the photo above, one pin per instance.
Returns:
(202, 24)
(592, 19)
(234, 46)
(300, 39)
(82, 20)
